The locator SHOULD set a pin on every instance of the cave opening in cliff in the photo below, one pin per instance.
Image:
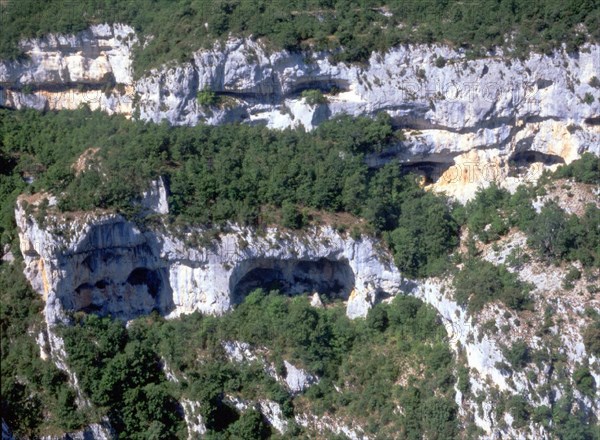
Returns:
(429, 172)
(144, 276)
(334, 279)
(141, 292)
(526, 158)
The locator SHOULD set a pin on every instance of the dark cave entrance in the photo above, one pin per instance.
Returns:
(332, 278)
(143, 291)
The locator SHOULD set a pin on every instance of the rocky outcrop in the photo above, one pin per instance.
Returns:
(66, 71)
(295, 379)
(104, 264)
(107, 265)
(6, 432)
(95, 431)
(467, 122)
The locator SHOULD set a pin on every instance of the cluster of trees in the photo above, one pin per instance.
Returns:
(121, 374)
(121, 369)
(364, 359)
(218, 174)
(356, 26)
(554, 234)
(480, 282)
(586, 169)
(35, 394)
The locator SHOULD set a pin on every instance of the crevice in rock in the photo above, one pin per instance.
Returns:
(325, 85)
(592, 120)
(430, 171)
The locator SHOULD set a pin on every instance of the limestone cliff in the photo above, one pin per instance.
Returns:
(101, 263)
(105, 264)
(466, 121)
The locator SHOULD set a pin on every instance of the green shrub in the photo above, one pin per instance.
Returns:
(207, 98)
(518, 355)
(586, 169)
(557, 236)
(425, 234)
(591, 337)
(484, 214)
(588, 98)
(291, 217)
(584, 382)
(480, 282)
(314, 97)
(573, 275)
(520, 410)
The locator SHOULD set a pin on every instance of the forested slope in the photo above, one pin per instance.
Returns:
(357, 26)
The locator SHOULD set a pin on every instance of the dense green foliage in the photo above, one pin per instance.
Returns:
(585, 382)
(494, 211)
(256, 176)
(364, 359)
(591, 337)
(425, 234)
(119, 371)
(586, 169)
(480, 282)
(357, 26)
(518, 355)
(217, 174)
(554, 234)
(314, 97)
(35, 394)
(557, 235)
(207, 98)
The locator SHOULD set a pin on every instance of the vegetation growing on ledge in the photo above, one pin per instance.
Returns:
(358, 27)
(314, 97)
(364, 359)
(207, 98)
(480, 282)
(228, 173)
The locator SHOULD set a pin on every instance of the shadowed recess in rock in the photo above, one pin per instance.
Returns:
(334, 279)
(524, 158)
(151, 278)
(430, 171)
(144, 291)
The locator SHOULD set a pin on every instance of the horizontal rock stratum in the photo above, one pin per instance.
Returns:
(107, 265)
(465, 121)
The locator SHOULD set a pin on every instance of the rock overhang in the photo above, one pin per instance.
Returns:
(109, 266)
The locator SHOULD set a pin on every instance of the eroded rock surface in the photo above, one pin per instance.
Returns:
(467, 122)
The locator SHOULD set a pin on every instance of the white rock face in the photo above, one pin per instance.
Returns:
(272, 412)
(107, 265)
(102, 263)
(154, 200)
(6, 432)
(65, 71)
(297, 379)
(328, 424)
(466, 120)
(193, 418)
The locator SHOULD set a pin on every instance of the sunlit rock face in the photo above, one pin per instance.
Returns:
(106, 265)
(65, 71)
(466, 122)
(103, 264)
